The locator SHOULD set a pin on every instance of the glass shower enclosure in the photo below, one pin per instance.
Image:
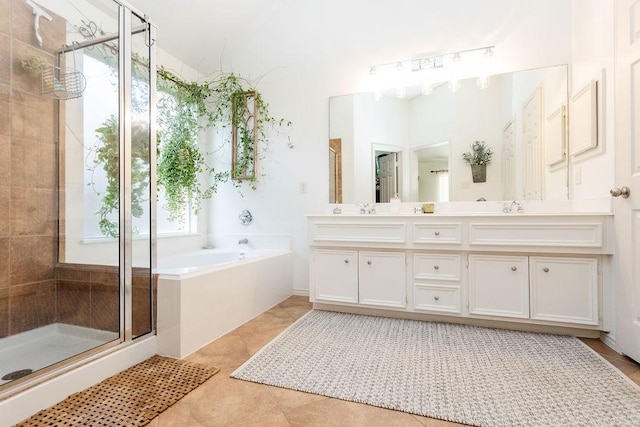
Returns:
(77, 183)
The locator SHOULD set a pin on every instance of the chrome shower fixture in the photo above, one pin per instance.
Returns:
(245, 217)
(38, 11)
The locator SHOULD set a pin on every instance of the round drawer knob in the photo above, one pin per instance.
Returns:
(514, 268)
(436, 267)
(437, 233)
(369, 262)
(546, 269)
(437, 298)
(346, 261)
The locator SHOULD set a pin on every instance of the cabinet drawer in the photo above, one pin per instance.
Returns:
(439, 267)
(365, 232)
(449, 233)
(444, 298)
(534, 234)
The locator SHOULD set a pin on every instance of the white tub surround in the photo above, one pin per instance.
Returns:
(198, 304)
(537, 271)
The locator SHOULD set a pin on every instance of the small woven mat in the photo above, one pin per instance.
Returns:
(131, 398)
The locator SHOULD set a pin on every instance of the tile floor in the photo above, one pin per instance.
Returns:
(223, 401)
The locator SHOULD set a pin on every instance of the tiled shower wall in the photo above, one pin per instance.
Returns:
(28, 174)
(88, 296)
(33, 291)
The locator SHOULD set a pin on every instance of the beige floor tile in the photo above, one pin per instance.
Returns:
(296, 300)
(295, 312)
(222, 401)
(432, 422)
(228, 351)
(290, 399)
(278, 420)
(255, 340)
(624, 364)
(334, 412)
(268, 320)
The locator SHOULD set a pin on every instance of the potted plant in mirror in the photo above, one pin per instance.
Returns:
(479, 157)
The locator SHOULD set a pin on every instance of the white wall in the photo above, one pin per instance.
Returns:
(429, 188)
(592, 174)
(463, 117)
(308, 51)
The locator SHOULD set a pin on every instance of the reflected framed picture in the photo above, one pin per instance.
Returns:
(583, 120)
(556, 137)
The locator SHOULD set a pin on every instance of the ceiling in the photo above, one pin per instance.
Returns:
(197, 31)
(200, 32)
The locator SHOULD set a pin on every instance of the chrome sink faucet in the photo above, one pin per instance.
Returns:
(508, 208)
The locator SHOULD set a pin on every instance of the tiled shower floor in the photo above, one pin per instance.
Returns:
(45, 346)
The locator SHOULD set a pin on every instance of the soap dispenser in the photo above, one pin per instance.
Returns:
(394, 203)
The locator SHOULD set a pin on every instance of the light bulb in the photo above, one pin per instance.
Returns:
(483, 81)
(427, 89)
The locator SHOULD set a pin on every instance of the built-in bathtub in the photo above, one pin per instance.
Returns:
(204, 294)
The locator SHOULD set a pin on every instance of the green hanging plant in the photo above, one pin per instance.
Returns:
(182, 113)
(107, 156)
(237, 107)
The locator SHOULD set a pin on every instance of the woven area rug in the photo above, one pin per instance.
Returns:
(465, 374)
(133, 397)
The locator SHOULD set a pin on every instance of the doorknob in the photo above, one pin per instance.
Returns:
(623, 191)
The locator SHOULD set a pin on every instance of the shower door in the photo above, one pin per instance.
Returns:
(77, 275)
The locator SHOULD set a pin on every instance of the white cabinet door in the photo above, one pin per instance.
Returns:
(564, 289)
(383, 279)
(335, 275)
(499, 286)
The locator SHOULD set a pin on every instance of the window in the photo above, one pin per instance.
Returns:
(99, 123)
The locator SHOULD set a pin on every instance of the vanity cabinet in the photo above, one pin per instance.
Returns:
(335, 275)
(564, 289)
(436, 282)
(555, 289)
(499, 286)
(551, 271)
(374, 278)
(382, 279)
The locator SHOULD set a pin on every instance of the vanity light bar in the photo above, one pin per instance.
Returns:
(429, 71)
(429, 62)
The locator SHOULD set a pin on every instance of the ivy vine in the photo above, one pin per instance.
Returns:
(184, 109)
(107, 155)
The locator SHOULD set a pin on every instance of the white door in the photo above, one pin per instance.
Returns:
(509, 161)
(626, 261)
(388, 176)
(532, 146)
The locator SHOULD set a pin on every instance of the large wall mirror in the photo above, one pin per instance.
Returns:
(413, 145)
